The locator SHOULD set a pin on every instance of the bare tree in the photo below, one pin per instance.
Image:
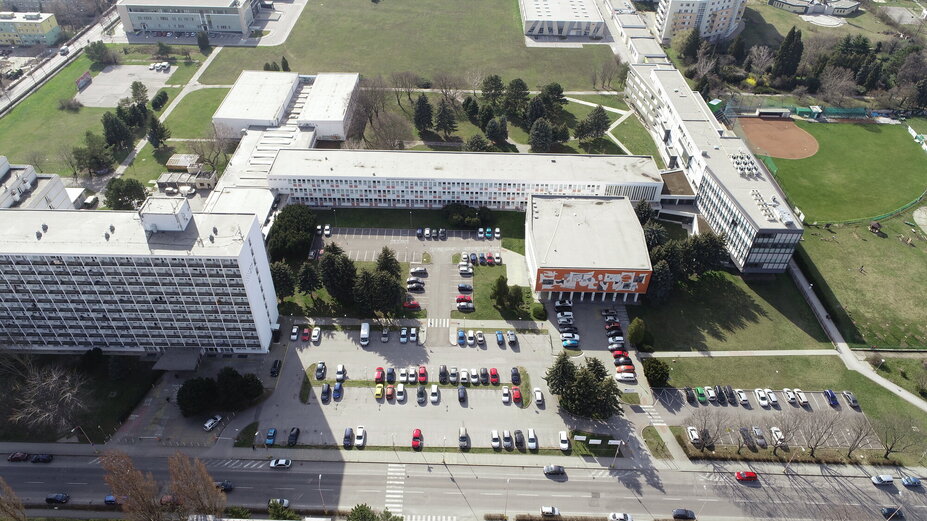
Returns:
(858, 432)
(897, 434)
(213, 149)
(607, 73)
(789, 424)
(449, 86)
(353, 143)
(65, 154)
(48, 397)
(138, 491)
(389, 131)
(710, 423)
(594, 76)
(11, 507)
(837, 83)
(739, 422)
(621, 76)
(761, 57)
(705, 59)
(474, 79)
(36, 158)
(819, 428)
(371, 98)
(404, 83)
(194, 487)
(816, 49)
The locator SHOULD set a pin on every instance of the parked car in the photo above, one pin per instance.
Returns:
(320, 369)
(275, 368)
(293, 437)
(271, 436)
(212, 423)
(564, 441)
(800, 396)
(338, 391)
(761, 397)
(893, 513)
(516, 394)
(326, 392)
(464, 288)
(280, 464)
(550, 511)
(493, 376)
(851, 399)
(882, 479)
(465, 307)
(400, 393)
(294, 333)
(831, 397)
(693, 435)
(700, 395)
(494, 440)
(340, 373)
(742, 396)
(404, 335)
(690, 395)
(516, 376)
(348, 440)
(532, 440)
(910, 481)
(789, 395)
(316, 334)
(771, 396)
(745, 476)
(360, 438)
(18, 456)
(417, 440)
(683, 513)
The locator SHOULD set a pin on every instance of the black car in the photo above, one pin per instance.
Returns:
(442, 233)
(42, 458)
(18, 456)
(461, 394)
(390, 375)
(482, 259)
(275, 368)
(473, 259)
(293, 438)
(719, 392)
(464, 288)
(554, 470)
(415, 287)
(621, 360)
(442, 374)
(690, 395)
(419, 233)
(729, 393)
(421, 394)
(326, 392)
(57, 499)
(348, 441)
(516, 376)
(613, 333)
(224, 486)
(320, 371)
(568, 329)
(683, 513)
(484, 376)
(892, 513)
(519, 439)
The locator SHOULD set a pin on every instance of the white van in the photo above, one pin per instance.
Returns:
(365, 334)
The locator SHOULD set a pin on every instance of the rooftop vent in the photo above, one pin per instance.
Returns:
(38, 235)
(215, 231)
(112, 228)
(106, 235)
(44, 227)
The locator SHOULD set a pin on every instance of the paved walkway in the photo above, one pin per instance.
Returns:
(722, 354)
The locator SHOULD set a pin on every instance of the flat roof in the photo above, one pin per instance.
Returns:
(629, 20)
(647, 46)
(329, 97)
(9, 16)
(587, 232)
(167, 4)
(476, 166)
(637, 32)
(83, 232)
(257, 95)
(561, 10)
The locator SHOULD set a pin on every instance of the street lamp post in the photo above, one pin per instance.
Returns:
(505, 513)
(322, 498)
(443, 449)
(81, 429)
(880, 364)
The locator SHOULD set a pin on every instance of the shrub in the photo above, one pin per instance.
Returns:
(538, 311)
(636, 331)
(645, 348)
(70, 105)
(656, 371)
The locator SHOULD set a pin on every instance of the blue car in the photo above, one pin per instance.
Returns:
(571, 343)
(464, 288)
(831, 397)
(271, 436)
(473, 259)
(488, 233)
(911, 481)
(461, 337)
(500, 338)
(337, 392)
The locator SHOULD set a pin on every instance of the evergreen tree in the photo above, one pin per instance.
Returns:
(202, 41)
(516, 98)
(690, 44)
(124, 194)
(561, 374)
(284, 280)
(387, 262)
(308, 279)
(597, 368)
(274, 66)
(284, 65)
(738, 49)
(541, 136)
(485, 115)
(422, 116)
(920, 97)
(654, 234)
(644, 211)
(493, 89)
(388, 292)
(707, 252)
(471, 108)
(598, 122)
(338, 275)
(139, 93)
(581, 132)
(536, 111)
(115, 131)
(477, 143)
(292, 234)
(158, 133)
(875, 77)
(363, 292)
(500, 292)
(267, 66)
(504, 128)
(494, 132)
(552, 95)
(197, 395)
(157, 102)
(445, 119)
(636, 331)
(561, 133)
(661, 283)
(789, 55)
(656, 371)
(95, 156)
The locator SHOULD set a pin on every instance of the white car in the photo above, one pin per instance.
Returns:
(328, 230)
(212, 423)
(464, 376)
(789, 395)
(498, 258)
(563, 303)
(340, 373)
(532, 440)
(402, 374)
(495, 441)
(569, 336)
(412, 373)
(626, 377)
(413, 335)
(479, 233)
(285, 503)
(316, 334)
(498, 233)
(403, 335)
(471, 339)
(360, 438)
(761, 397)
(538, 396)
(742, 396)
(800, 395)
(692, 432)
(435, 394)
(465, 270)
(474, 376)
(506, 395)
(564, 441)
(280, 464)
(294, 333)
(709, 390)
(480, 339)
(772, 397)
(882, 479)
(400, 392)
(618, 516)
(777, 435)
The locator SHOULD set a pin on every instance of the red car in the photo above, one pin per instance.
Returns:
(390, 392)
(18, 456)
(619, 354)
(613, 326)
(745, 476)
(412, 304)
(464, 298)
(305, 336)
(489, 260)
(422, 374)
(493, 376)
(624, 369)
(417, 439)
(378, 375)
(516, 394)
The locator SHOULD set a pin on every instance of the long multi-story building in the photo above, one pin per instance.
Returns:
(228, 16)
(163, 280)
(408, 179)
(715, 19)
(28, 29)
(562, 18)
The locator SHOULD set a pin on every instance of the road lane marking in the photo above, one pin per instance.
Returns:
(76, 483)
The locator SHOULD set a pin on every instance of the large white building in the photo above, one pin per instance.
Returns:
(163, 280)
(329, 108)
(22, 187)
(188, 16)
(715, 19)
(256, 99)
(562, 18)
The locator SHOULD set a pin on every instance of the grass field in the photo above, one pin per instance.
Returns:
(483, 279)
(182, 73)
(145, 53)
(425, 37)
(838, 182)
(511, 224)
(193, 116)
(811, 373)
(918, 124)
(632, 133)
(721, 311)
(25, 134)
(606, 100)
(171, 94)
(655, 443)
(884, 306)
(909, 373)
(149, 164)
(767, 25)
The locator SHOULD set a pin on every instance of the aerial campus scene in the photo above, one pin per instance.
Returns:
(453, 260)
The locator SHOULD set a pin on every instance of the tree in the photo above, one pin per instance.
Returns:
(661, 283)
(536, 111)
(339, 276)
(94, 156)
(449, 86)
(124, 194)
(252, 387)
(561, 374)
(158, 133)
(789, 424)
(738, 49)
(690, 42)
(371, 97)
(159, 100)
(362, 512)
(654, 234)
(202, 41)
(819, 428)
(837, 83)
(515, 101)
(164, 50)
(387, 293)
(541, 136)
(138, 490)
(445, 120)
(284, 281)
(292, 233)
(492, 89)
(656, 372)
(598, 122)
(230, 389)
(785, 64)
(277, 511)
(363, 292)
(705, 60)
(500, 292)
(423, 114)
(760, 58)
(590, 395)
(389, 131)
(11, 507)
(484, 115)
(115, 131)
(858, 432)
(553, 98)
(597, 368)
(404, 83)
(516, 297)
(897, 434)
(496, 132)
(706, 252)
(308, 280)
(387, 262)
(471, 108)
(139, 93)
(212, 149)
(194, 487)
(636, 331)
(582, 131)
(99, 53)
(197, 395)
(284, 65)
(710, 424)
(477, 143)
(236, 512)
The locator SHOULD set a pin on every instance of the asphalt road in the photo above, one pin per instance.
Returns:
(461, 492)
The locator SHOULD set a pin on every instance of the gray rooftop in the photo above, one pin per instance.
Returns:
(257, 95)
(561, 10)
(629, 20)
(186, 4)
(475, 166)
(329, 97)
(587, 232)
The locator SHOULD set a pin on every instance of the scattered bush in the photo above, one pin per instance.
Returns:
(538, 311)
(645, 348)
(70, 105)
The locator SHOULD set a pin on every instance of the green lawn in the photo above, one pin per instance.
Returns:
(512, 224)
(171, 94)
(512, 244)
(837, 183)
(909, 373)
(632, 133)
(721, 311)
(811, 373)
(182, 72)
(918, 124)
(767, 25)
(884, 306)
(25, 133)
(145, 53)
(149, 164)
(655, 443)
(426, 37)
(483, 279)
(606, 100)
(193, 117)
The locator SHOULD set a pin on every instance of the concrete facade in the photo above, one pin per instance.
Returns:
(562, 18)
(329, 108)
(716, 20)
(230, 16)
(835, 8)
(28, 29)
(22, 187)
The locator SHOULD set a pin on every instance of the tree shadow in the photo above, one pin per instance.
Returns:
(506, 147)
(561, 148)
(601, 146)
(784, 299)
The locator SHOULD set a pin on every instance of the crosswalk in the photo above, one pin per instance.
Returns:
(653, 415)
(439, 322)
(428, 518)
(395, 487)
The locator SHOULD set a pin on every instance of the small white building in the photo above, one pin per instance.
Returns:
(329, 107)
(22, 187)
(188, 16)
(562, 18)
(257, 99)
(646, 49)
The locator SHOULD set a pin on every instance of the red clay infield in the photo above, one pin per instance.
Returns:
(779, 138)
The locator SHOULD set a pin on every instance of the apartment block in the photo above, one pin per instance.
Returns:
(28, 29)
(562, 18)
(229, 16)
(715, 19)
